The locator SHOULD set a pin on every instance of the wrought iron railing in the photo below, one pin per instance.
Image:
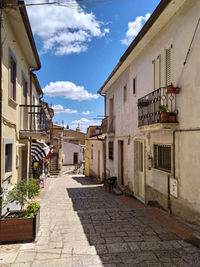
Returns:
(149, 106)
(33, 118)
(108, 124)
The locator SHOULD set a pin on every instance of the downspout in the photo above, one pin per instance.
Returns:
(174, 145)
(174, 160)
(1, 189)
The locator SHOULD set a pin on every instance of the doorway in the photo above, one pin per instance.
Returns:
(121, 161)
(24, 163)
(98, 163)
(75, 158)
(25, 103)
(139, 171)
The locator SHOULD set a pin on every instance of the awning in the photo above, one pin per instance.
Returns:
(37, 152)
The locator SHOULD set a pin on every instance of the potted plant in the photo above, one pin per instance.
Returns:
(172, 116)
(172, 90)
(21, 225)
(164, 114)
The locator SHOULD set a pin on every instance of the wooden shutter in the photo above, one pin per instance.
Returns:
(168, 66)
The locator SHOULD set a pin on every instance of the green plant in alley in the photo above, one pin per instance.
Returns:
(22, 192)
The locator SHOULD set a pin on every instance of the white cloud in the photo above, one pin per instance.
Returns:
(60, 109)
(64, 30)
(87, 112)
(84, 124)
(68, 90)
(134, 28)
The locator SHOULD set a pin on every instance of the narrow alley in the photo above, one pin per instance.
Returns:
(82, 225)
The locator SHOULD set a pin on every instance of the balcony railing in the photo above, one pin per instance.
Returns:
(108, 125)
(33, 119)
(149, 106)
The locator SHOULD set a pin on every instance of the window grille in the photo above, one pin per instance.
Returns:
(162, 157)
(111, 149)
(125, 93)
(134, 86)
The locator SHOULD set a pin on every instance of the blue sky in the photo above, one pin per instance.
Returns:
(79, 46)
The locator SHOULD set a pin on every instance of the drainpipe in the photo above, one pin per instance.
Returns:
(174, 145)
(1, 189)
(174, 160)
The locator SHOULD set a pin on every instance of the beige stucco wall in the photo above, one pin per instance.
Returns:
(10, 108)
(178, 31)
(97, 147)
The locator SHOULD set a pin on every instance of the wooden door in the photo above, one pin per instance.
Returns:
(98, 163)
(75, 158)
(24, 170)
(25, 102)
(140, 171)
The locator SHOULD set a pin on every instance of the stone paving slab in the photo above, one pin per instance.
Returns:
(82, 225)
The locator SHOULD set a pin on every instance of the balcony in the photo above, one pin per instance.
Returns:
(149, 113)
(108, 125)
(33, 121)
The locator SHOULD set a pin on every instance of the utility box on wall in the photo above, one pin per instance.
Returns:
(174, 187)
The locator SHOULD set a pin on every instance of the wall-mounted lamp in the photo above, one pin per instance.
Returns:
(150, 162)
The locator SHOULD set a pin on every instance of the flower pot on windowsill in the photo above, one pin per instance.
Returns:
(164, 117)
(172, 90)
(172, 117)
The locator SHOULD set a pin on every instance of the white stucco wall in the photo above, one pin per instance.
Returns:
(178, 31)
(68, 151)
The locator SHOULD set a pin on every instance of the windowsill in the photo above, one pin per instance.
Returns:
(162, 171)
(7, 175)
(12, 102)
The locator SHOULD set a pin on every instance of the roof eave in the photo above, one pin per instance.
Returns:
(27, 26)
(157, 12)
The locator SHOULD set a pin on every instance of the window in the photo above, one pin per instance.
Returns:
(134, 86)
(162, 157)
(157, 72)
(111, 107)
(110, 149)
(8, 157)
(125, 93)
(162, 68)
(13, 78)
(92, 152)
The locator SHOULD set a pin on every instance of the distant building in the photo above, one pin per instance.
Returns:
(72, 136)
(73, 146)
(95, 153)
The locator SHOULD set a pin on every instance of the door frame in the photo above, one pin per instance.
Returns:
(121, 161)
(136, 169)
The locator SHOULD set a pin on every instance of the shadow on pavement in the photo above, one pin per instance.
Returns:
(83, 180)
(122, 236)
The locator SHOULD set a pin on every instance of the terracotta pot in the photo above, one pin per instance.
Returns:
(170, 89)
(177, 90)
(172, 118)
(164, 117)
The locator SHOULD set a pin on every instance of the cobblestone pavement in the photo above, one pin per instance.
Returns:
(82, 225)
